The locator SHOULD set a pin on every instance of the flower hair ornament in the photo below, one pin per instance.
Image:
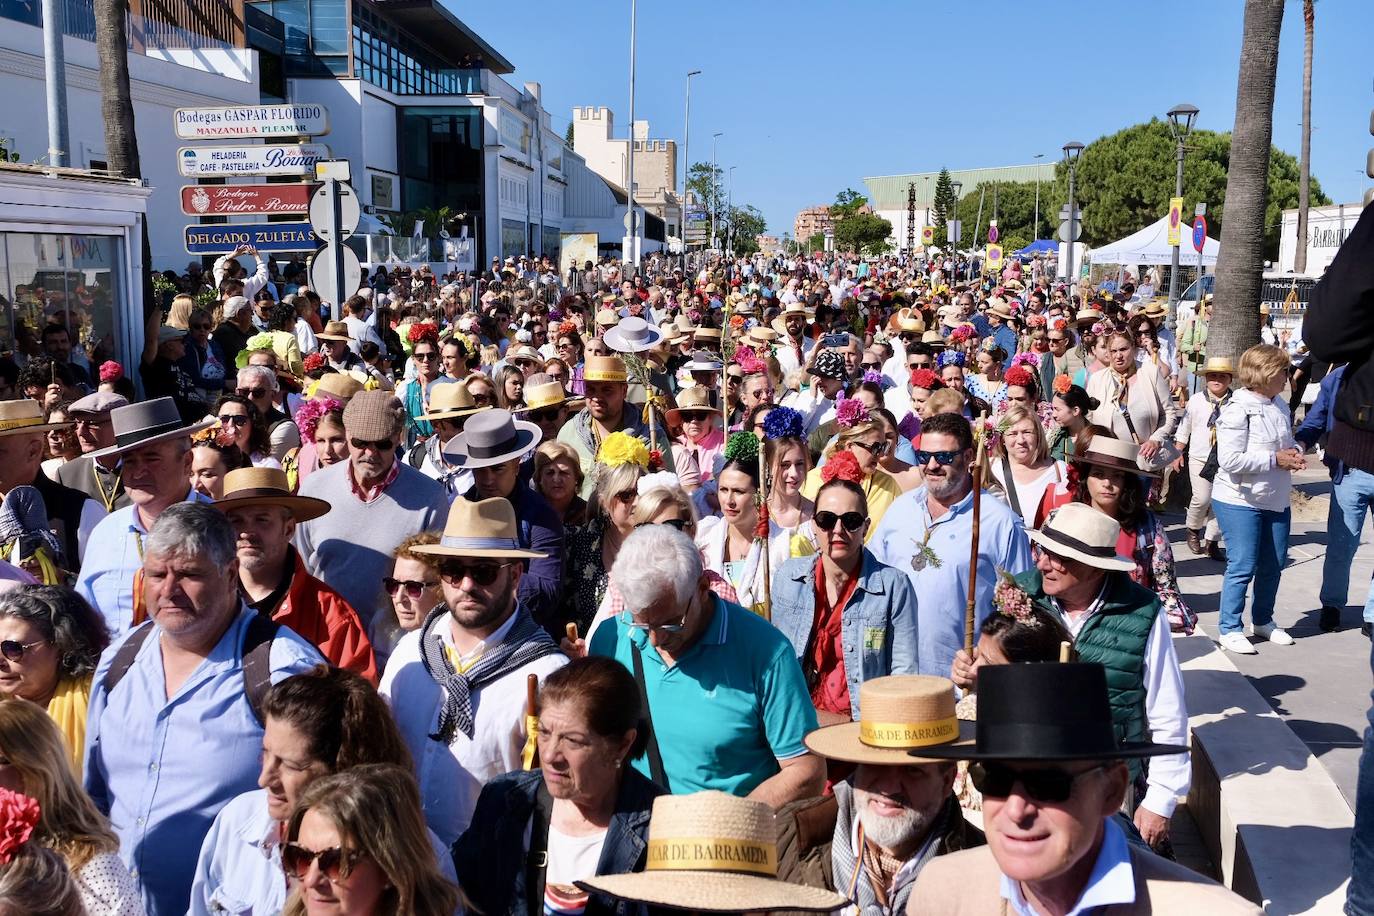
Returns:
(877, 378)
(19, 815)
(1011, 600)
(850, 412)
(1026, 358)
(623, 448)
(927, 379)
(962, 333)
(749, 362)
(783, 423)
(308, 415)
(566, 328)
(842, 465)
(422, 332)
(951, 358)
(742, 447)
(1019, 375)
(312, 362)
(111, 371)
(1062, 384)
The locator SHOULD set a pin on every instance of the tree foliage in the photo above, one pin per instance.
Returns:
(744, 224)
(856, 227)
(707, 188)
(568, 137)
(943, 207)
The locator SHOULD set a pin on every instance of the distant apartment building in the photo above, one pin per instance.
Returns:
(810, 221)
(768, 243)
(655, 178)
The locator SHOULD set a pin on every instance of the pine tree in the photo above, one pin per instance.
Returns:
(944, 200)
(568, 137)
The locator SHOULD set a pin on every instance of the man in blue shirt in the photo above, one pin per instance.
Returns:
(172, 734)
(999, 313)
(926, 533)
(728, 704)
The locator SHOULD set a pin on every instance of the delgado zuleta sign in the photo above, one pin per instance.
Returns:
(243, 122)
(219, 161)
(262, 236)
(245, 199)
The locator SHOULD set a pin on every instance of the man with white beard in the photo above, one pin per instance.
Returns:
(896, 812)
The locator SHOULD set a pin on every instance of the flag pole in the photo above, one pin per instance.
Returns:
(976, 472)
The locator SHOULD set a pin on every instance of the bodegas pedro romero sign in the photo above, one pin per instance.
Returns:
(243, 122)
(245, 199)
(219, 161)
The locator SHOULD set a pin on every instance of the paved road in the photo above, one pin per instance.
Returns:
(1320, 685)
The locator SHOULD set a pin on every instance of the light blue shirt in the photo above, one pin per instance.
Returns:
(1111, 882)
(943, 589)
(162, 767)
(114, 555)
(240, 871)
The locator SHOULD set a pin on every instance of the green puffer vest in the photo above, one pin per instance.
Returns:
(1115, 638)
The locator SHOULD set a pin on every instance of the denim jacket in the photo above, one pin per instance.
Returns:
(491, 855)
(879, 622)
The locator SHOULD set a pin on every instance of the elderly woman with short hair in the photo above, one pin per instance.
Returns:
(1256, 458)
(592, 548)
(50, 642)
(558, 477)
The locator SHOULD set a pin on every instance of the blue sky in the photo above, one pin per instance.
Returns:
(812, 96)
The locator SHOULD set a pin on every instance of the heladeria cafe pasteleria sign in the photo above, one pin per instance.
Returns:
(244, 122)
(245, 199)
(220, 161)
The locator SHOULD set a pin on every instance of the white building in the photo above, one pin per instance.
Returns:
(655, 162)
(1327, 228)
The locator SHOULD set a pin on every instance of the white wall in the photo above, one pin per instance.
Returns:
(158, 88)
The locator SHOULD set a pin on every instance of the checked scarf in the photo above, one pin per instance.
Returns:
(525, 643)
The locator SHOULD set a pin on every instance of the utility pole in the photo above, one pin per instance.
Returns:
(686, 164)
(632, 256)
(55, 80)
(714, 137)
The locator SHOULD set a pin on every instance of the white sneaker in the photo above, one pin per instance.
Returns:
(1275, 634)
(1238, 643)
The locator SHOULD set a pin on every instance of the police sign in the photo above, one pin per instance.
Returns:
(262, 236)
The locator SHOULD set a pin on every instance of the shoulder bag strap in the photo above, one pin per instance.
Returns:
(537, 863)
(656, 770)
(124, 658)
(257, 661)
(1010, 485)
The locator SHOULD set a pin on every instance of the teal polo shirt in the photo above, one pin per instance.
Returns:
(733, 706)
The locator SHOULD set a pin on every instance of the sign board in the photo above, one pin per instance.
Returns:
(220, 161)
(992, 232)
(244, 199)
(1175, 220)
(993, 258)
(954, 231)
(927, 235)
(324, 279)
(247, 122)
(262, 236)
(333, 170)
(1063, 232)
(576, 249)
(1199, 233)
(321, 211)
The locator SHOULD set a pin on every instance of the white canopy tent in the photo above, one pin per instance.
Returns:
(1151, 246)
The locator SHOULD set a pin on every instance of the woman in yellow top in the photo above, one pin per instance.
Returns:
(863, 436)
(50, 642)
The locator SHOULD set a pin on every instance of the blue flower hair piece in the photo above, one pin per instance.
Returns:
(950, 358)
(783, 422)
(877, 378)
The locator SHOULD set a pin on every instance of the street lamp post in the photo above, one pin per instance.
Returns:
(730, 208)
(714, 137)
(1035, 226)
(686, 167)
(958, 187)
(1072, 149)
(633, 254)
(1181, 118)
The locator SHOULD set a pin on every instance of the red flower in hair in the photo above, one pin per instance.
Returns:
(925, 378)
(18, 816)
(1019, 375)
(423, 331)
(844, 466)
(111, 371)
(567, 327)
(749, 362)
(314, 361)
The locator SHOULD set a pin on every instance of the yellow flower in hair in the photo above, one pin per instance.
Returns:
(623, 448)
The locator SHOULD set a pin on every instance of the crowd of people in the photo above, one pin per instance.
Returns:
(764, 584)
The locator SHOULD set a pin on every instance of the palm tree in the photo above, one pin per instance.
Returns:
(1235, 319)
(1305, 166)
(117, 112)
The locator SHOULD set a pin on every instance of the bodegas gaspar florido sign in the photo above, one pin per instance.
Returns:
(242, 122)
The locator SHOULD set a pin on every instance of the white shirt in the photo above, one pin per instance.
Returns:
(452, 776)
(1165, 712)
(360, 330)
(572, 858)
(1192, 431)
(1111, 882)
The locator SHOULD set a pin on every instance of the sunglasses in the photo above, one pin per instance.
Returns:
(253, 393)
(425, 357)
(876, 449)
(679, 523)
(942, 458)
(334, 862)
(14, 650)
(825, 520)
(381, 445)
(236, 419)
(695, 416)
(871, 365)
(482, 574)
(413, 588)
(200, 327)
(544, 414)
(996, 780)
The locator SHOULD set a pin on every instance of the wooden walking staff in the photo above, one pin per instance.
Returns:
(976, 472)
(530, 753)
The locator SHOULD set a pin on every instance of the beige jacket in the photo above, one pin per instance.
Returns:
(1153, 412)
(969, 883)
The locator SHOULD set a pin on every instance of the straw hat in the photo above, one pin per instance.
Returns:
(1213, 364)
(1117, 454)
(607, 318)
(684, 324)
(1080, 532)
(247, 487)
(762, 336)
(448, 400)
(907, 324)
(546, 394)
(1154, 309)
(1087, 316)
(933, 339)
(492, 437)
(144, 423)
(523, 354)
(633, 335)
(795, 308)
(484, 528)
(1000, 307)
(673, 334)
(715, 853)
(698, 397)
(335, 330)
(898, 714)
(604, 369)
(709, 334)
(340, 385)
(25, 416)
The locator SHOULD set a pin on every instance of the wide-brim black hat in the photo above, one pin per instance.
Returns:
(1047, 711)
